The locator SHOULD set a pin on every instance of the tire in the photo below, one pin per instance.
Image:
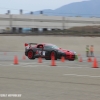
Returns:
(47, 59)
(52, 53)
(71, 59)
(30, 54)
(62, 56)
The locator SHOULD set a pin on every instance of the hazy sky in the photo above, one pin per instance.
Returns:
(32, 5)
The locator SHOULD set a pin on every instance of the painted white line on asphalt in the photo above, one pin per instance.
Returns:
(81, 75)
(78, 67)
(7, 65)
(70, 66)
(26, 64)
(38, 65)
(29, 66)
(32, 63)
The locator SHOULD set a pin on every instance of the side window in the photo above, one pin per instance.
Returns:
(40, 46)
(47, 47)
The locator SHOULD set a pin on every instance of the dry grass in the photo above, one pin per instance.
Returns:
(92, 29)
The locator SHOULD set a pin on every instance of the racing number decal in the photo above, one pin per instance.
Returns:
(40, 52)
(43, 53)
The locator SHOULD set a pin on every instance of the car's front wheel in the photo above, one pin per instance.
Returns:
(52, 54)
(71, 59)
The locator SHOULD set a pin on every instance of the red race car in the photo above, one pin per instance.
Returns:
(46, 50)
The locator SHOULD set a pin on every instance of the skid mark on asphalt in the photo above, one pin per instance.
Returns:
(50, 81)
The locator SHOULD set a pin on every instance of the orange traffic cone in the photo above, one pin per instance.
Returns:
(24, 57)
(53, 61)
(15, 60)
(62, 59)
(80, 60)
(89, 59)
(95, 63)
(39, 60)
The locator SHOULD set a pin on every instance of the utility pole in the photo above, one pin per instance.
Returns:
(10, 23)
(63, 23)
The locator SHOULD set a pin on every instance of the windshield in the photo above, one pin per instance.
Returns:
(55, 47)
(51, 46)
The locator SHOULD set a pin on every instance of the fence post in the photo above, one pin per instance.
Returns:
(10, 23)
(63, 24)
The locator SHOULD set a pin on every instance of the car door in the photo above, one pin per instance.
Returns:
(40, 49)
(46, 50)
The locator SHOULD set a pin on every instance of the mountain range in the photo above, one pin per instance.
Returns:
(89, 8)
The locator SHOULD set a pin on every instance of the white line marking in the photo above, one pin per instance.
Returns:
(40, 64)
(70, 67)
(29, 66)
(77, 67)
(26, 64)
(81, 75)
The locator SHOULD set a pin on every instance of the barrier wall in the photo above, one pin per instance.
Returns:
(42, 21)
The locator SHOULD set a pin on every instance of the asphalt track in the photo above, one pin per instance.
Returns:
(69, 80)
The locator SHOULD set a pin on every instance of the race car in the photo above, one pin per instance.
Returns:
(46, 50)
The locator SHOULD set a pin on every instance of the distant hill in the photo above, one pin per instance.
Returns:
(85, 9)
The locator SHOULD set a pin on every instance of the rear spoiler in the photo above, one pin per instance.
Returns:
(32, 43)
(26, 44)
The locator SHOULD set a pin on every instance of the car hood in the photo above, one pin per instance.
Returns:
(66, 51)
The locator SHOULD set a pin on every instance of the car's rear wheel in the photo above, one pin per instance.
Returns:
(30, 54)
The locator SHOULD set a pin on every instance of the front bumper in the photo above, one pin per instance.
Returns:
(70, 57)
